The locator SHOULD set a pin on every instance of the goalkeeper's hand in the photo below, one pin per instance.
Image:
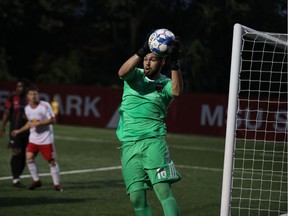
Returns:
(175, 54)
(144, 50)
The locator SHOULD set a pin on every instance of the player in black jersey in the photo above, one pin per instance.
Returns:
(15, 115)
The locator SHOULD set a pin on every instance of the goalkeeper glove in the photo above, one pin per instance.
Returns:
(144, 50)
(175, 53)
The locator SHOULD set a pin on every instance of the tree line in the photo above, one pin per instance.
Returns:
(85, 42)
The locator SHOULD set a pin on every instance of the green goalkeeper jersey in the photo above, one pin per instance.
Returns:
(144, 106)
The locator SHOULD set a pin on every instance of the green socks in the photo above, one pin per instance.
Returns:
(145, 211)
(170, 207)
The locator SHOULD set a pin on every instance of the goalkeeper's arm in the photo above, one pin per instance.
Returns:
(176, 76)
(134, 60)
(129, 65)
(177, 82)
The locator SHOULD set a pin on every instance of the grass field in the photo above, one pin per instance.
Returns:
(92, 181)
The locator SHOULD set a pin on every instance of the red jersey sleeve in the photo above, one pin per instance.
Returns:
(8, 104)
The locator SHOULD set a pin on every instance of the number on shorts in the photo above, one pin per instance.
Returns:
(161, 173)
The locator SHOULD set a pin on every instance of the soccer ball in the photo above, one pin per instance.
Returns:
(160, 41)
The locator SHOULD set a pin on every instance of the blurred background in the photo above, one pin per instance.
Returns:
(72, 50)
(84, 42)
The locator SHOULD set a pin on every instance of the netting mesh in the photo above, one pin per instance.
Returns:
(259, 180)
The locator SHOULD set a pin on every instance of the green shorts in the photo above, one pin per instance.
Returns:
(145, 163)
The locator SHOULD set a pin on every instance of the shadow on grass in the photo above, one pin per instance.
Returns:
(28, 201)
(210, 209)
(98, 184)
(71, 188)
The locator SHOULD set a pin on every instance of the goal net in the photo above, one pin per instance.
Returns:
(255, 163)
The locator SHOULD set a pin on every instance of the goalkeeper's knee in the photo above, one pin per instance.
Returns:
(163, 191)
(141, 206)
(138, 199)
(166, 197)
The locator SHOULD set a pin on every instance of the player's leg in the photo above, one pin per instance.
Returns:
(135, 178)
(48, 152)
(162, 173)
(55, 173)
(139, 201)
(16, 166)
(16, 162)
(165, 195)
(23, 142)
(31, 153)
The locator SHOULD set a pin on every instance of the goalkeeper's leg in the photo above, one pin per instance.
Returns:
(139, 201)
(164, 193)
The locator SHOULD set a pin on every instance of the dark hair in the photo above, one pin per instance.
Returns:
(32, 88)
(25, 82)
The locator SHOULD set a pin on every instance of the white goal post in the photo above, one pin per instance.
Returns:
(255, 163)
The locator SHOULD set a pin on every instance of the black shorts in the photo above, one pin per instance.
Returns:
(19, 142)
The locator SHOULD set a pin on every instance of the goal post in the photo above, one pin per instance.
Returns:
(231, 119)
(255, 162)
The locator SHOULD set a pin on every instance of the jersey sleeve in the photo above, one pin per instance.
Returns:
(49, 112)
(168, 89)
(8, 103)
(131, 75)
(26, 112)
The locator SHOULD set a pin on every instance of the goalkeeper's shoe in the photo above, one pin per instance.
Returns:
(35, 184)
(58, 188)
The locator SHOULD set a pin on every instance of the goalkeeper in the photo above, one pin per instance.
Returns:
(146, 163)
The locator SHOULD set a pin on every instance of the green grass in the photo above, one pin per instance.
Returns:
(103, 192)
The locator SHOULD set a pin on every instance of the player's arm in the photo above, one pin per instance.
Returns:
(50, 117)
(22, 129)
(47, 122)
(134, 60)
(44, 122)
(5, 119)
(177, 82)
(6, 116)
(129, 65)
(176, 76)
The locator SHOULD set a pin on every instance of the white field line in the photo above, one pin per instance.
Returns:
(195, 148)
(108, 169)
(199, 168)
(70, 172)
(82, 139)
(119, 167)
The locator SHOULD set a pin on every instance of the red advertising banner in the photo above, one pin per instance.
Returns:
(262, 119)
(78, 105)
(203, 114)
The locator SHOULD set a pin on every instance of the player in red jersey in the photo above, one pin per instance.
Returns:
(40, 118)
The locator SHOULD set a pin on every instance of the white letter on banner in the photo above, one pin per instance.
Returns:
(239, 119)
(258, 121)
(281, 118)
(217, 115)
(91, 105)
(113, 123)
(73, 102)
